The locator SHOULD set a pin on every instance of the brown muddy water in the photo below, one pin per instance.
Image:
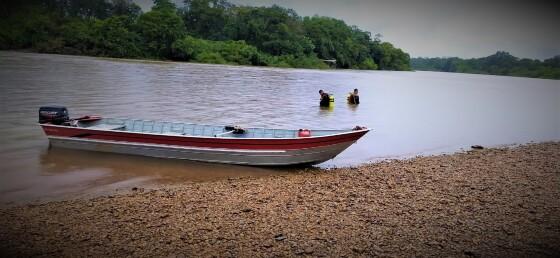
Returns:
(411, 113)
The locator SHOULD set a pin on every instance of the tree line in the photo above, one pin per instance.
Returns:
(500, 63)
(207, 31)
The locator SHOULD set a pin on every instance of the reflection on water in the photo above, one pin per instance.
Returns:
(60, 161)
(326, 111)
(411, 113)
(352, 107)
(81, 173)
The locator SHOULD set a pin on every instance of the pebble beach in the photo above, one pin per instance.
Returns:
(498, 202)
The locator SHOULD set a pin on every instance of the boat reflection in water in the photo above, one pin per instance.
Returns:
(120, 169)
(69, 173)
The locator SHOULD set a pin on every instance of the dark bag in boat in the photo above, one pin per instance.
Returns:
(53, 114)
(235, 129)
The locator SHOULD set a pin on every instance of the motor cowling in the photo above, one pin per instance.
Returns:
(54, 115)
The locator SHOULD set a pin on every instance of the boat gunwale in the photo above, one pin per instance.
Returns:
(177, 122)
(348, 132)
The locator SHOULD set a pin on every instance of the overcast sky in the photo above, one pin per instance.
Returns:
(435, 28)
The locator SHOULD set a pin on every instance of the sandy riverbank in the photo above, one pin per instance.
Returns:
(492, 202)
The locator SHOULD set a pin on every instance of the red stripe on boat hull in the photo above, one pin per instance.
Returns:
(206, 142)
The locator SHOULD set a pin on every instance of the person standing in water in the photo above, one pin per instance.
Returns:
(354, 98)
(325, 99)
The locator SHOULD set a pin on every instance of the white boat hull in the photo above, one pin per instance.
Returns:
(230, 156)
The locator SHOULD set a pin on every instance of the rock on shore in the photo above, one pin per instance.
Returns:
(490, 202)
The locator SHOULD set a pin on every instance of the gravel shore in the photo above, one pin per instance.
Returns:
(491, 202)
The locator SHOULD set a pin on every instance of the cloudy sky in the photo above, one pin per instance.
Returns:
(430, 28)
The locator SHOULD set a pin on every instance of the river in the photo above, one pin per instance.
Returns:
(411, 113)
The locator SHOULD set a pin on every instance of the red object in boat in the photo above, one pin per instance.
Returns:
(304, 133)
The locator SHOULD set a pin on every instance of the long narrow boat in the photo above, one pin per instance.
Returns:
(223, 144)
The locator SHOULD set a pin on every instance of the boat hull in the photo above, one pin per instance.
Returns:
(231, 150)
(309, 156)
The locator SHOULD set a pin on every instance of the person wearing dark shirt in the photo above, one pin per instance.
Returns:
(354, 98)
(325, 100)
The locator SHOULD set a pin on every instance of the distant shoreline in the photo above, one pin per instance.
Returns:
(147, 60)
(500, 63)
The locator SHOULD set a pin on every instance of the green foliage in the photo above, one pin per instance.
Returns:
(164, 6)
(89, 9)
(552, 62)
(352, 47)
(73, 37)
(333, 39)
(501, 63)
(216, 31)
(27, 27)
(159, 29)
(205, 51)
(115, 37)
(206, 18)
(56, 26)
(368, 64)
(273, 30)
(388, 57)
(84, 8)
(212, 58)
(236, 52)
(126, 8)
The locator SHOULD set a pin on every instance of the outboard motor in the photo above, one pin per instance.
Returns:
(56, 115)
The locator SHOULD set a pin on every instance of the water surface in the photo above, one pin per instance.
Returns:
(411, 113)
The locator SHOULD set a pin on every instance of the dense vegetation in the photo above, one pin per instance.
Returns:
(501, 63)
(209, 31)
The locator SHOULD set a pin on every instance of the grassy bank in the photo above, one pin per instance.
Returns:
(492, 202)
